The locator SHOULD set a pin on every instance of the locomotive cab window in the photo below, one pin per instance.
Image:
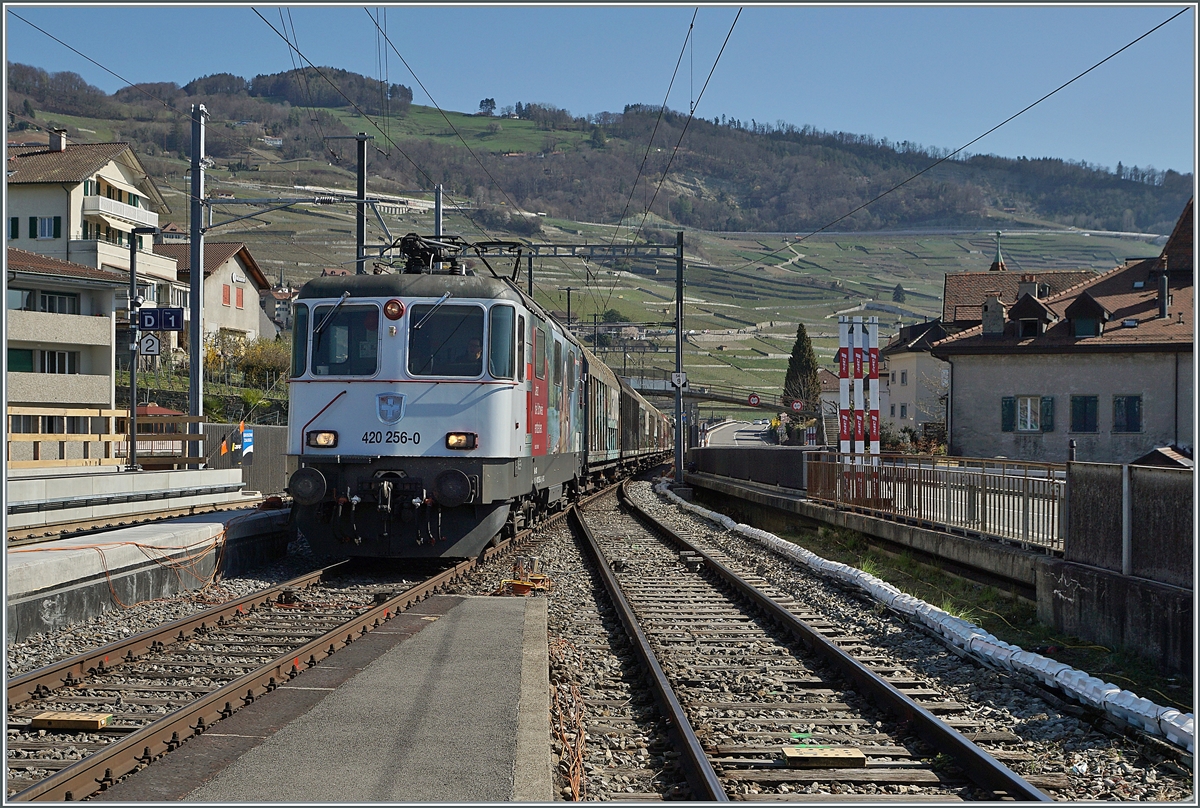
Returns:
(572, 370)
(445, 340)
(299, 339)
(345, 341)
(557, 371)
(500, 342)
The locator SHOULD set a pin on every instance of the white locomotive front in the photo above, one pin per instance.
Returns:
(430, 409)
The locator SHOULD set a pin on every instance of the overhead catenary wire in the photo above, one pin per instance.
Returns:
(962, 148)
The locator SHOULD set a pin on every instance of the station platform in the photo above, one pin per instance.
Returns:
(55, 583)
(447, 702)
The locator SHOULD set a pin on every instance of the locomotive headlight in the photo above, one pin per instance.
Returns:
(321, 440)
(393, 309)
(461, 440)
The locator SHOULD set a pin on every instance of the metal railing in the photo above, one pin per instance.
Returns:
(997, 499)
(93, 205)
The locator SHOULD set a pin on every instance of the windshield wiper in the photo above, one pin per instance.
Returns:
(443, 299)
(321, 327)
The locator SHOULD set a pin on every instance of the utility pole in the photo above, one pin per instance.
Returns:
(568, 290)
(530, 274)
(360, 205)
(196, 271)
(135, 341)
(679, 436)
(437, 214)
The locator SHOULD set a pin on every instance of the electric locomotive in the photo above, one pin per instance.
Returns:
(433, 409)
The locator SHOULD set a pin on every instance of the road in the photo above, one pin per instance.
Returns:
(739, 433)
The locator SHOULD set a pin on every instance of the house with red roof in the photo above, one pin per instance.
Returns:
(233, 282)
(1105, 364)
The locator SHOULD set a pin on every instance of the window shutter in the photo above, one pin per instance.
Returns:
(1047, 413)
(58, 227)
(14, 227)
(33, 227)
(1008, 414)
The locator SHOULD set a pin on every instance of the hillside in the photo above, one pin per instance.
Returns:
(728, 175)
(742, 193)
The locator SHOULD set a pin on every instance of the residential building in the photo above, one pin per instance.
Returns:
(277, 303)
(233, 283)
(915, 381)
(963, 293)
(79, 202)
(1106, 364)
(61, 332)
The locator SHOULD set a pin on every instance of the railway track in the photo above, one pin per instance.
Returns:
(133, 701)
(725, 652)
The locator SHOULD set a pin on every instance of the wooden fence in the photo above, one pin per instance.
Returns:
(48, 437)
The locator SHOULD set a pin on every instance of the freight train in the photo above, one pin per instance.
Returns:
(434, 409)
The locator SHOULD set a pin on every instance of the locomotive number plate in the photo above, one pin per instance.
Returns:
(391, 437)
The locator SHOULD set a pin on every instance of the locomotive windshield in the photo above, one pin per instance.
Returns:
(449, 341)
(348, 344)
(500, 338)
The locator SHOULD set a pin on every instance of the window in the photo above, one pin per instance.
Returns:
(1084, 413)
(893, 379)
(904, 377)
(449, 341)
(893, 413)
(1028, 413)
(521, 348)
(348, 343)
(572, 369)
(1127, 414)
(20, 360)
(14, 228)
(224, 294)
(500, 342)
(1029, 328)
(21, 299)
(48, 227)
(539, 353)
(903, 410)
(23, 424)
(59, 302)
(557, 371)
(1086, 327)
(299, 339)
(60, 362)
(240, 298)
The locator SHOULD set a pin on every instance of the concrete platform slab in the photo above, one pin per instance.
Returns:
(53, 584)
(448, 702)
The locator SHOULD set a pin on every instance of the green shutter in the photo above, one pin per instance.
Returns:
(1047, 413)
(58, 227)
(14, 227)
(33, 227)
(1008, 414)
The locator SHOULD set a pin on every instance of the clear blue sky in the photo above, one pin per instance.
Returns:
(935, 75)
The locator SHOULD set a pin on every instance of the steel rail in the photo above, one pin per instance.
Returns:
(117, 759)
(156, 739)
(982, 767)
(697, 768)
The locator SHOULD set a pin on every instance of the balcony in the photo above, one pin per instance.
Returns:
(103, 255)
(102, 205)
(48, 329)
(59, 389)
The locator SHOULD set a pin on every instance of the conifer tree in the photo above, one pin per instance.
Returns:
(802, 381)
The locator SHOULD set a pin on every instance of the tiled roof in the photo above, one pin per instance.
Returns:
(829, 381)
(964, 292)
(23, 261)
(76, 164)
(216, 253)
(1179, 250)
(1115, 291)
(917, 337)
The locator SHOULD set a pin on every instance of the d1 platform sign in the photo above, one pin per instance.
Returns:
(165, 319)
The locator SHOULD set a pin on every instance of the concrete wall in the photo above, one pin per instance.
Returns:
(1164, 380)
(1151, 620)
(1161, 518)
(59, 390)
